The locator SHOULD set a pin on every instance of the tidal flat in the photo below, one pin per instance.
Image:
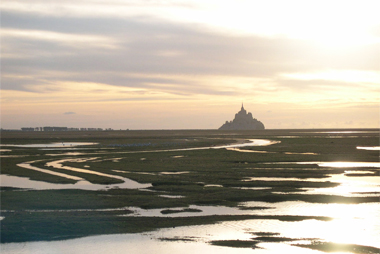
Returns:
(138, 182)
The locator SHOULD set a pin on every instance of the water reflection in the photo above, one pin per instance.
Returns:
(301, 153)
(126, 243)
(246, 151)
(252, 142)
(28, 166)
(127, 182)
(250, 179)
(174, 173)
(22, 182)
(52, 145)
(354, 224)
(349, 186)
(201, 211)
(26, 183)
(59, 165)
(82, 184)
(344, 164)
(373, 148)
(338, 132)
(67, 154)
(334, 164)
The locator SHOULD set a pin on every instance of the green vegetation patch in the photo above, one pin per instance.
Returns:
(271, 239)
(24, 226)
(148, 157)
(253, 208)
(185, 210)
(9, 167)
(179, 239)
(82, 199)
(236, 243)
(264, 233)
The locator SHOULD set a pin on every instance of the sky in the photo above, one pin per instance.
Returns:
(189, 64)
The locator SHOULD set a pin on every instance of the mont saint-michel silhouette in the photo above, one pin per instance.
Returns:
(243, 121)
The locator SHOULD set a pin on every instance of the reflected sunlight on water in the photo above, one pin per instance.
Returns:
(374, 148)
(345, 230)
(344, 164)
(61, 144)
(351, 223)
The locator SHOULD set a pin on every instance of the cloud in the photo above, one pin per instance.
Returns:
(69, 113)
(57, 52)
(153, 54)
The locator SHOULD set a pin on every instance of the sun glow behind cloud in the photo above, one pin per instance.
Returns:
(68, 92)
(333, 23)
(355, 76)
(273, 55)
(336, 22)
(72, 40)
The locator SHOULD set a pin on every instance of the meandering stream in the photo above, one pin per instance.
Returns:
(351, 223)
(21, 182)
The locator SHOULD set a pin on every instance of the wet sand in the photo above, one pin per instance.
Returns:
(179, 172)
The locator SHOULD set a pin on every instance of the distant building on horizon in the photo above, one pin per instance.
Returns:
(243, 121)
(27, 129)
(49, 128)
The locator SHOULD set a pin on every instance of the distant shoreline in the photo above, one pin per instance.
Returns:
(80, 135)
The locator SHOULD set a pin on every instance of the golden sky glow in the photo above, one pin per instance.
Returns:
(189, 64)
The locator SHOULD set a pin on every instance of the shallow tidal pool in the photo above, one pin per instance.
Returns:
(298, 190)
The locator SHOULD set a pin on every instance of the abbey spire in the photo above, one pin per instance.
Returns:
(242, 110)
(243, 121)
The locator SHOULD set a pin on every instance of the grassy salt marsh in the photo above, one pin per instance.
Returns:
(179, 169)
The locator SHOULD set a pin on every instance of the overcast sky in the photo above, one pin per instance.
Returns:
(189, 64)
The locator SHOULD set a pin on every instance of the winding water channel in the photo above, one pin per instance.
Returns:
(351, 223)
(21, 182)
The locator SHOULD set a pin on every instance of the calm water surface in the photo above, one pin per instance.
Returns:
(358, 226)
(351, 223)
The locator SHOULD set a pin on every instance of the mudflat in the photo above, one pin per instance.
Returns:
(177, 172)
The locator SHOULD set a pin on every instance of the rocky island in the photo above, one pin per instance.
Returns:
(243, 121)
